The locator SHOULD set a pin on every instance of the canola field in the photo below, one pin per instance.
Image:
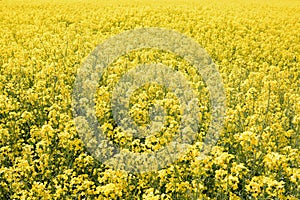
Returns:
(255, 46)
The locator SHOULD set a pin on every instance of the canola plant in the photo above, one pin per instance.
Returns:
(255, 46)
